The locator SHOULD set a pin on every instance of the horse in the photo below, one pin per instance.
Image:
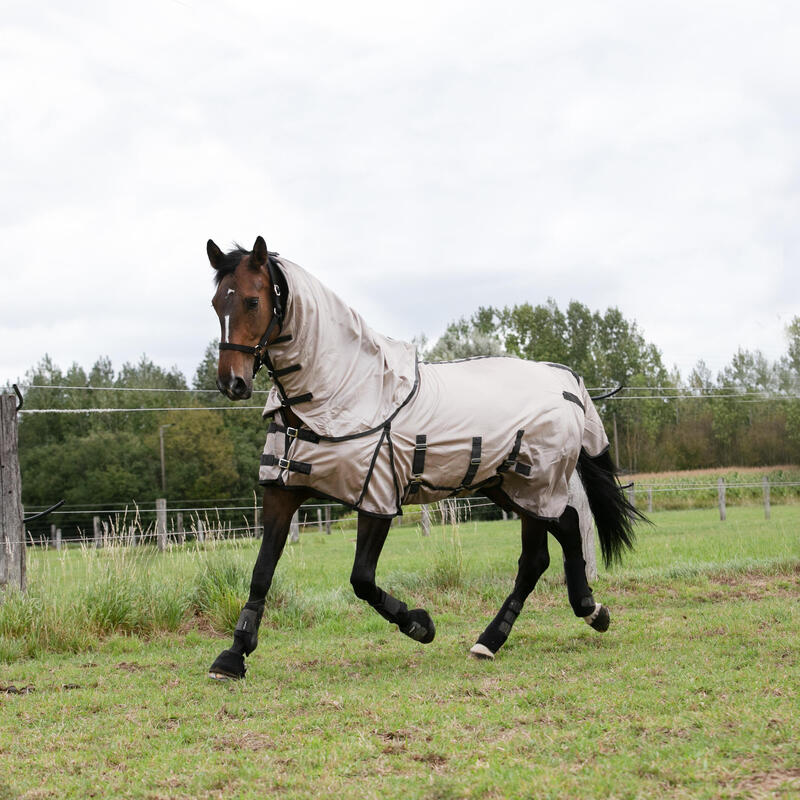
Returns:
(357, 418)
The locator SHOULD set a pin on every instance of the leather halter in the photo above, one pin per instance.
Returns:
(278, 309)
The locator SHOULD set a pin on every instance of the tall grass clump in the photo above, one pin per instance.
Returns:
(32, 624)
(122, 595)
(447, 569)
(221, 589)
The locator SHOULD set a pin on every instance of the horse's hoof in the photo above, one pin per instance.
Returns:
(599, 619)
(420, 626)
(482, 652)
(228, 666)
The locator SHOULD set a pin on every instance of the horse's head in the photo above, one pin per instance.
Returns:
(246, 307)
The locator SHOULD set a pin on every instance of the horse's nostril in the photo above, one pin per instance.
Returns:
(239, 387)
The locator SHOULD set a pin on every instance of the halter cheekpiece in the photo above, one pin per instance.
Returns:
(278, 309)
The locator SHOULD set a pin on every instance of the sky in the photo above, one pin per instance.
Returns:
(422, 159)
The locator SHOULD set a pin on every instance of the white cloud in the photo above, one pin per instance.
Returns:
(422, 160)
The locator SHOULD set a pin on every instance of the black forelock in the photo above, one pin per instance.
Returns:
(230, 261)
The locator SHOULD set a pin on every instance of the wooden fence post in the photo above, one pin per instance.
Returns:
(58, 538)
(721, 498)
(12, 534)
(766, 497)
(181, 533)
(96, 531)
(53, 535)
(319, 520)
(161, 523)
(294, 528)
(650, 500)
(201, 533)
(327, 519)
(426, 520)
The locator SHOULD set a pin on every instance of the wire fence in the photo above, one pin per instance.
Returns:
(139, 523)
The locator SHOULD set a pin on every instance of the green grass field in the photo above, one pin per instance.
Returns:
(692, 693)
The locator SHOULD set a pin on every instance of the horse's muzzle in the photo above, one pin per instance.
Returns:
(237, 388)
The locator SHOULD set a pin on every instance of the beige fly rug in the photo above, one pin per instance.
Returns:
(380, 430)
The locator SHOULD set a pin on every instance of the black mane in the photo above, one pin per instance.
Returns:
(230, 262)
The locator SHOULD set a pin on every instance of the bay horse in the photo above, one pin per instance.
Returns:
(356, 418)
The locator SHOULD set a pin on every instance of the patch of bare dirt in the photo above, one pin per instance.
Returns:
(252, 741)
(129, 667)
(765, 784)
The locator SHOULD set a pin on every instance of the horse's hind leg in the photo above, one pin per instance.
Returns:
(533, 561)
(370, 538)
(567, 532)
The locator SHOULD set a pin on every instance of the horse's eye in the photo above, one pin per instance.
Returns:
(251, 302)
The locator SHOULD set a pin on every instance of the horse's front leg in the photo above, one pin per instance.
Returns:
(371, 536)
(278, 510)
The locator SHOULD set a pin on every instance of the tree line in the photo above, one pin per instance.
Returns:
(111, 458)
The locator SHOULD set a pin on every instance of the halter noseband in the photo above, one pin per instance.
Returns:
(278, 308)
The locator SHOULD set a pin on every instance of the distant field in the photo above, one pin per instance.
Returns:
(669, 491)
(693, 693)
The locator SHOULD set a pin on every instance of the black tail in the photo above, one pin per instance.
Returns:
(613, 514)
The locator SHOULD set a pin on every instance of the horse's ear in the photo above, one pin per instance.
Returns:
(258, 258)
(215, 255)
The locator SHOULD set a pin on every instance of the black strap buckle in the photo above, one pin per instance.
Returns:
(284, 463)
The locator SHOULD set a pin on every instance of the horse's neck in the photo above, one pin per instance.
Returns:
(355, 376)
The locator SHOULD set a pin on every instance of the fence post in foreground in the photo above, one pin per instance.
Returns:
(294, 528)
(179, 527)
(766, 497)
(161, 523)
(721, 498)
(426, 520)
(96, 531)
(12, 534)
(327, 519)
